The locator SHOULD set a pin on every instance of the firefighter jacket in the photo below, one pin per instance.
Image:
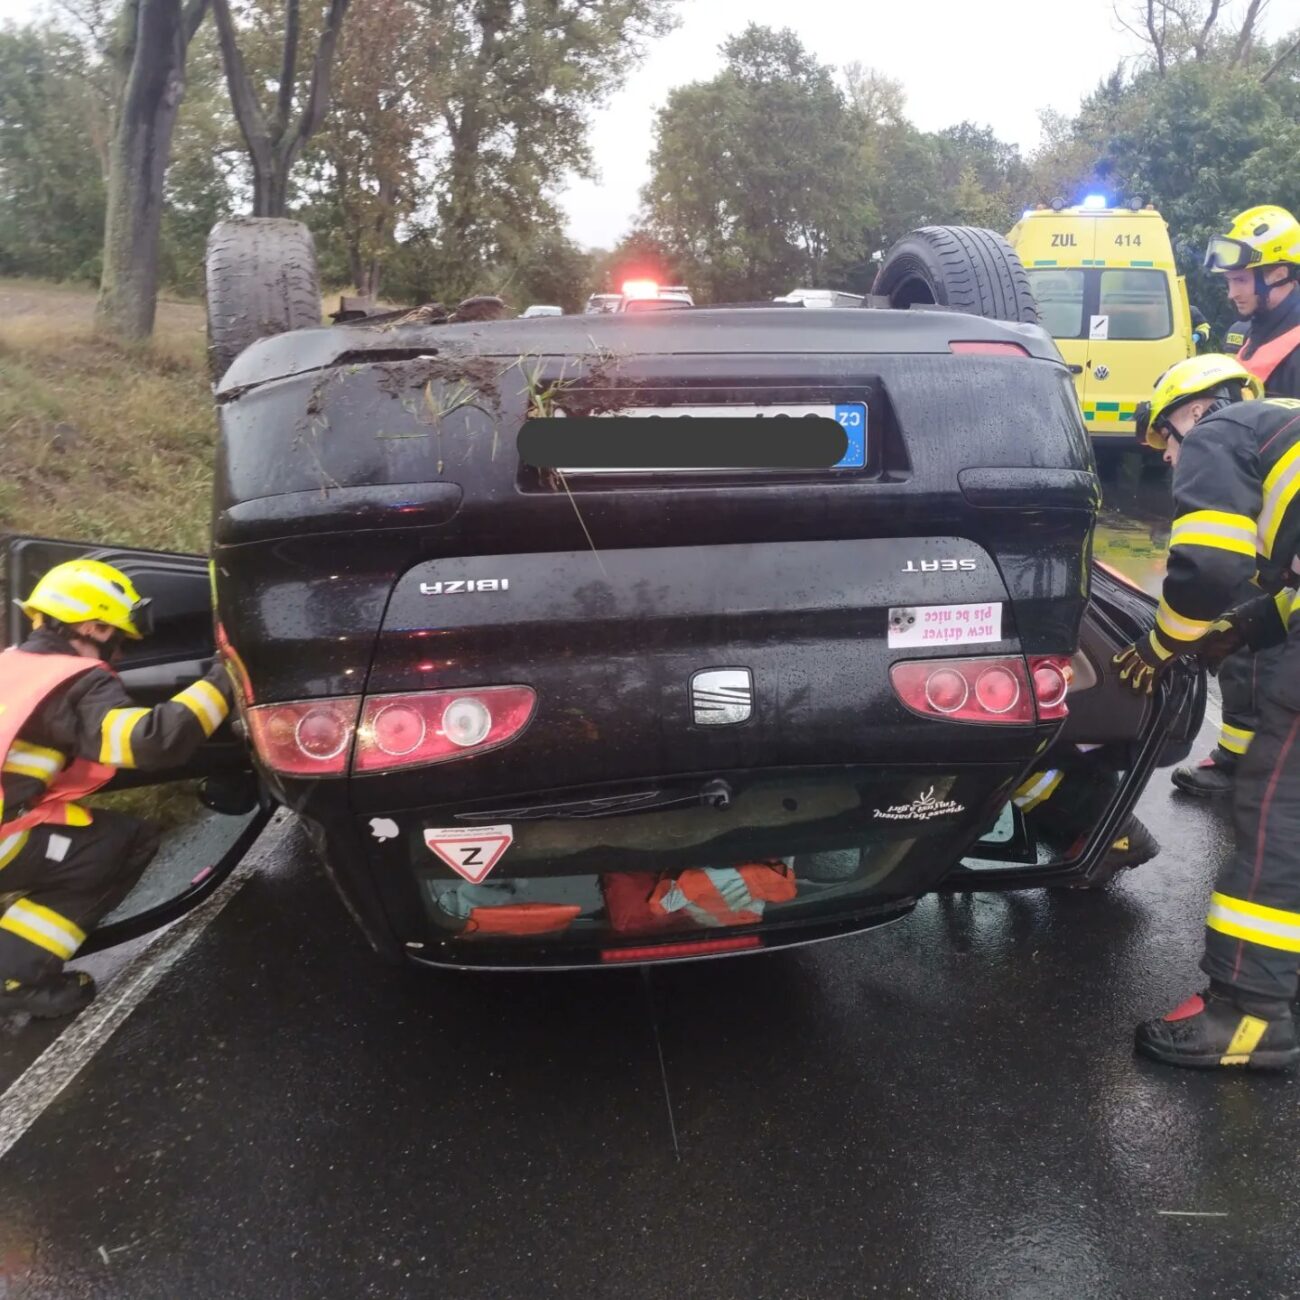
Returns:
(1272, 350)
(1236, 515)
(90, 717)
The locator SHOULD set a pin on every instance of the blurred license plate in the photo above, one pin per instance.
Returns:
(852, 416)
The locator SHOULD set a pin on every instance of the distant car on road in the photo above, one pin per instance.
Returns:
(601, 303)
(822, 298)
(538, 309)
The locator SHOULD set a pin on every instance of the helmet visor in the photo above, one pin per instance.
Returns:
(1224, 254)
(142, 617)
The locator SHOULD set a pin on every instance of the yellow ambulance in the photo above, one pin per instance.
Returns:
(1110, 295)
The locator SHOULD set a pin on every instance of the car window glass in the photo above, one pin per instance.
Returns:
(1136, 303)
(1060, 301)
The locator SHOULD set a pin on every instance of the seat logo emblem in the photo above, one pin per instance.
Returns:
(722, 695)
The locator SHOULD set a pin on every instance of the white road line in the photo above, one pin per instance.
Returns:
(37, 1087)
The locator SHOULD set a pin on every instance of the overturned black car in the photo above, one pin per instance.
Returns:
(574, 716)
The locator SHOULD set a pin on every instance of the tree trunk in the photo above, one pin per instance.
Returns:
(155, 40)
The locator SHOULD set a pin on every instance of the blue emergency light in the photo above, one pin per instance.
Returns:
(1095, 202)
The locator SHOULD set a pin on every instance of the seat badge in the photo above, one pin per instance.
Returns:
(722, 695)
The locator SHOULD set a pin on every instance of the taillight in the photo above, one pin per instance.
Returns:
(985, 690)
(679, 949)
(988, 348)
(434, 726)
(1052, 675)
(305, 737)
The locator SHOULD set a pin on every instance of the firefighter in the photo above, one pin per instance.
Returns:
(1259, 256)
(1236, 514)
(66, 726)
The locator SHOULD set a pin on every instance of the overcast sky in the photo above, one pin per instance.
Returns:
(995, 63)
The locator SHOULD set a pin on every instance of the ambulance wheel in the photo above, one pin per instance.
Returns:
(962, 267)
(261, 279)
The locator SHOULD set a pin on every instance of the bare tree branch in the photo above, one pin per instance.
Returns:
(288, 67)
(1157, 38)
(192, 18)
(1247, 33)
(1281, 59)
(248, 113)
(1210, 19)
(318, 97)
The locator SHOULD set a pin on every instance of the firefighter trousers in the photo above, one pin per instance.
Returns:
(62, 881)
(1243, 677)
(1252, 937)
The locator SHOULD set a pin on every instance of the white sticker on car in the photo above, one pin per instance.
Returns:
(1099, 327)
(470, 851)
(926, 625)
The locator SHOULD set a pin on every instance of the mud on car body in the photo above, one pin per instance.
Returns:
(552, 719)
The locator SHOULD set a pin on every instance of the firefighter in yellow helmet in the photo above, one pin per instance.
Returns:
(1236, 517)
(1259, 255)
(67, 725)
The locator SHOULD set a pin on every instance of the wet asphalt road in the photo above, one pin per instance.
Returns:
(946, 1107)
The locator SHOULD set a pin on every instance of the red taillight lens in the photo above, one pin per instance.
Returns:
(305, 737)
(434, 726)
(965, 690)
(988, 348)
(1051, 675)
(984, 690)
(678, 950)
(997, 689)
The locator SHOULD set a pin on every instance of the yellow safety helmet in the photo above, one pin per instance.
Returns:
(85, 591)
(1263, 236)
(1185, 380)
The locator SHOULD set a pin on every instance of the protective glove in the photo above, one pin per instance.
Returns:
(1141, 664)
(1224, 637)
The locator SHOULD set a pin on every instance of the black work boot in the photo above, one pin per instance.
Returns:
(49, 997)
(1211, 1030)
(1210, 777)
(1133, 846)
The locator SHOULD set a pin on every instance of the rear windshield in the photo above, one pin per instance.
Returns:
(1135, 303)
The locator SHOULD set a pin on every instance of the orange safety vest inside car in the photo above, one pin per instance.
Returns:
(26, 682)
(715, 896)
(1263, 360)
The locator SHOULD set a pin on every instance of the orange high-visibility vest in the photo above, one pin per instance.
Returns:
(1263, 360)
(26, 682)
(522, 918)
(695, 893)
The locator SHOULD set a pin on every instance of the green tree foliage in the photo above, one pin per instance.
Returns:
(1202, 139)
(516, 81)
(53, 128)
(754, 181)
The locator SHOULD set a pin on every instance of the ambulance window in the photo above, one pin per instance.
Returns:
(1137, 303)
(1060, 301)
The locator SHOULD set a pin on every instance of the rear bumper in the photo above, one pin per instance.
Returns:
(794, 855)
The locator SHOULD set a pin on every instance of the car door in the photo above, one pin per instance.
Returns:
(1126, 736)
(152, 671)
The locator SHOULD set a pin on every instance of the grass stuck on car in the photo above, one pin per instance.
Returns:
(663, 699)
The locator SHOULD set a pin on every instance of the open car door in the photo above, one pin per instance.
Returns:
(1116, 736)
(199, 855)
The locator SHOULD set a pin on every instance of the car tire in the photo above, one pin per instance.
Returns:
(261, 279)
(961, 267)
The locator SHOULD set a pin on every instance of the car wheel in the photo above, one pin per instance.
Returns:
(261, 279)
(962, 267)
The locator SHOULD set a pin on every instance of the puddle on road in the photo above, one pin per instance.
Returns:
(1133, 528)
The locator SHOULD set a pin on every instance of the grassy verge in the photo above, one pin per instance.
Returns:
(102, 441)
